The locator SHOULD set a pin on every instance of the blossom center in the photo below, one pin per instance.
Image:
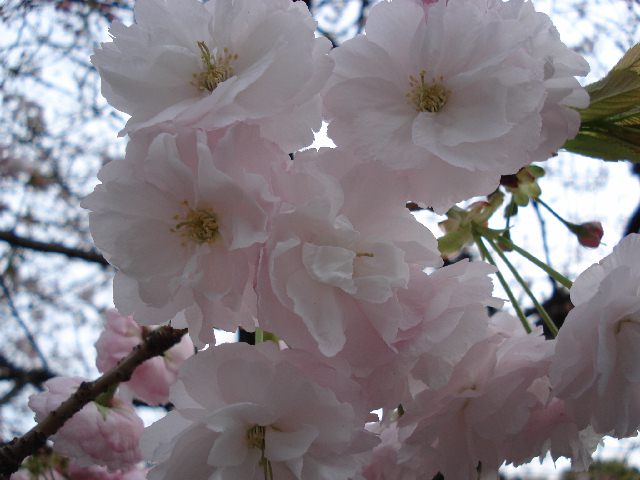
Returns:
(427, 96)
(216, 68)
(199, 225)
(622, 323)
(256, 439)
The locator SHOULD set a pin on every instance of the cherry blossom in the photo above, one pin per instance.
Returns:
(551, 428)
(213, 64)
(596, 365)
(385, 460)
(182, 221)
(444, 314)
(456, 95)
(482, 409)
(257, 416)
(336, 260)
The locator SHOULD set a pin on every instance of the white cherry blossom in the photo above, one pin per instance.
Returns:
(596, 369)
(257, 416)
(182, 220)
(210, 65)
(456, 94)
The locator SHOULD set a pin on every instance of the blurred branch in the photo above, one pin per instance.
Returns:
(34, 376)
(633, 225)
(22, 242)
(328, 36)
(13, 453)
(364, 4)
(545, 241)
(21, 377)
(23, 326)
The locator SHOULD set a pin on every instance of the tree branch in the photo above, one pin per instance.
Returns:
(13, 453)
(22, 242)
(21, 377)
(9, 371)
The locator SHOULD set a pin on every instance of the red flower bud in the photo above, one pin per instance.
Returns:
(589, 234)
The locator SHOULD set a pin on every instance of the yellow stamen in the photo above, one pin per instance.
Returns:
(256, 439)
(216, 68)
(621, 324)
(199, 225)
(427, 96)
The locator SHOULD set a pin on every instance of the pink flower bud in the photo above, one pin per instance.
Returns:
(152, 380)
(98, 434)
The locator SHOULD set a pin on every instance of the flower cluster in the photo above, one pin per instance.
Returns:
(212, 225)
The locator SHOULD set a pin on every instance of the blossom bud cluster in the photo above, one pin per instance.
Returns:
(212, 225)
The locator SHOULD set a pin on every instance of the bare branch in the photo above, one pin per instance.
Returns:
(11, 371)
(13, 453)
(22, 242)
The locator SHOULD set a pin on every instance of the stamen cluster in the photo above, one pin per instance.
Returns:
(427, 96)
(216, 68)
(199, 225)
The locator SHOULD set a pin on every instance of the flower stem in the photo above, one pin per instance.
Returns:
(557, 276)
(553, 212)
(541, 310)
(503, 282)
(259, 335)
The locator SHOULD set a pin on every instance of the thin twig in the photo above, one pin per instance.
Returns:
(545, 241)
(364, 4)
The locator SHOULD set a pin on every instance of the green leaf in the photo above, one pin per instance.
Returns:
(618, 93)
(610, 128)
(631, 59)
(596, 145)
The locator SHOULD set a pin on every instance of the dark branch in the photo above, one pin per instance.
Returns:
(633, 225)
(21, 377)
(11, 371)
(22, 242)
(364, 4)
(13, 453)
